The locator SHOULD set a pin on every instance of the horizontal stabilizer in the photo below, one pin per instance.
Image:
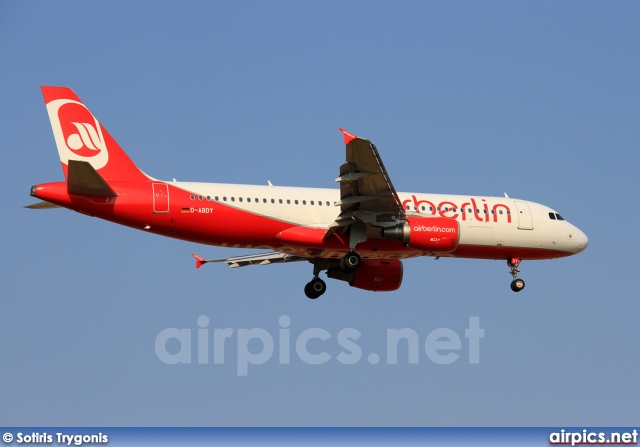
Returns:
(84, 179)
(199, 260)
(42, 206)
(255, 259)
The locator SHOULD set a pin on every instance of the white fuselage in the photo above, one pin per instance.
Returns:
(485, 221)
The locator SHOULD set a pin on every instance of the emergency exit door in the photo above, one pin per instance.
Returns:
(160, 198)
(525, 220)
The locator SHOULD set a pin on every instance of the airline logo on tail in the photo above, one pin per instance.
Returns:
(77, 132)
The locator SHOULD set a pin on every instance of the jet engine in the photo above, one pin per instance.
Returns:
(431, 234)
(377, 275)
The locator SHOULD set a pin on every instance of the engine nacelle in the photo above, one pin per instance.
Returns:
(377, 275)
(432, 234)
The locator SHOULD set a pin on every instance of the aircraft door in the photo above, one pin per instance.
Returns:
(160, 198)
(525, 219)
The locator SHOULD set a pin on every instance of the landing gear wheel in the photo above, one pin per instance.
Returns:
(315, 288)
(351, 262)
(517, 285)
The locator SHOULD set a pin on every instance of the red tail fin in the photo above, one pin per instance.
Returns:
(79, 136)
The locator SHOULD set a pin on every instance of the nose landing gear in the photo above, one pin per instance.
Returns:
(517, 284)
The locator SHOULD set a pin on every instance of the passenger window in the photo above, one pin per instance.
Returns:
(217, 198)
(199, 197)
(327, 203)
(311, 203)
(288, 202)
(240, 199)
(296, 201)
(193, 197)
(304, 202)
(233, 199)
(249, 199)
(280, 201)
(319, 203)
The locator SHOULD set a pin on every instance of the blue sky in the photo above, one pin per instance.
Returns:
(537, 99)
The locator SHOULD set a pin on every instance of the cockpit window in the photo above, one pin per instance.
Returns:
(559, 217)
(552, 216)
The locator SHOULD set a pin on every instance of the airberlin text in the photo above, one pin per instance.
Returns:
(469, 210)
(434, 229)
(312, 346)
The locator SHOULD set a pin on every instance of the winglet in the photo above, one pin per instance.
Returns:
(199, 261)
(348, 136)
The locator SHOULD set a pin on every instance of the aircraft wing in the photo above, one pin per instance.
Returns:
(366, 191)
(368, 199)
(273, 257)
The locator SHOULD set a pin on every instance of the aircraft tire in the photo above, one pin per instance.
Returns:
(315, 288)
(517, 285)
(351, 262)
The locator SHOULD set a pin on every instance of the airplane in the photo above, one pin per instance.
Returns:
(358, 233)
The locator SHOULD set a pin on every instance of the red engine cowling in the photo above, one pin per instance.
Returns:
(377, 275)
(432, 234)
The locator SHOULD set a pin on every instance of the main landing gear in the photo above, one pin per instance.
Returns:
(316, 287)
(351, 262)
(517, 284)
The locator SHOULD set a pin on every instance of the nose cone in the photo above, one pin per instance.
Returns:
(580, 240)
